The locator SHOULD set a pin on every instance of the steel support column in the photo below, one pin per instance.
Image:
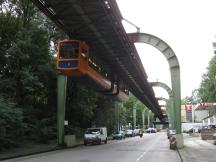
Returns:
(61, 99)
(149, 112)
(143, 118)
(172, 113)
(134, 116)
(172, 59)
(117, 114)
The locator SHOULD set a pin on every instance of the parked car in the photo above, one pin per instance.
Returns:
(151, 130)
(130, 133)
(136, 132)
(118, 135)
(211, 126)
(95, 135)
(170, 133)
(158, 129)
(193, 130)
(190, 130)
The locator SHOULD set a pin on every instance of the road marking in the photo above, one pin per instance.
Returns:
(141, 156)
(149, 148)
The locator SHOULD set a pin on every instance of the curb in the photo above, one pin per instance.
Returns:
(181, 155)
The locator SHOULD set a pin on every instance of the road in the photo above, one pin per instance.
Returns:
(151, 148)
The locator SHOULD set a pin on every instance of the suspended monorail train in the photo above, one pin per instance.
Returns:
(73, 60)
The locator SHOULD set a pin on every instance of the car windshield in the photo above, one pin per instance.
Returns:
(172, 131)
(92, 131)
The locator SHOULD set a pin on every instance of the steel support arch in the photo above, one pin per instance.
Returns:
(169, 102)
(172, 59)
(162, 99)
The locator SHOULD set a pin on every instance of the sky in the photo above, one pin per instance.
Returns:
(187, 26)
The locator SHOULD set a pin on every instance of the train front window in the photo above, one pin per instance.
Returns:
(69, 50)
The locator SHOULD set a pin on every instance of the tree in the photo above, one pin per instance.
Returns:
(26, 77)
(191, 100)
(207, 90)
(128, 113)
(11, 121)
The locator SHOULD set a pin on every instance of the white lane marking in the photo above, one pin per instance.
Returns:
(140, 156)
(149, 148)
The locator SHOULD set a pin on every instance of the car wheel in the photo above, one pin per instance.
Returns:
(99, 142)
(105, 141)
(85, 143)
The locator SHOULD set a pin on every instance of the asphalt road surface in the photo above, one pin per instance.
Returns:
(151, 148)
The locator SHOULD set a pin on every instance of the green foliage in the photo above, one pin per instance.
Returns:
(28, 78)
(129, 108)
(104, 113)
(80, 105)
(129, 105)
(214, 142)
(11, 121)
(44, 130)
(193, 99)
(207, 90)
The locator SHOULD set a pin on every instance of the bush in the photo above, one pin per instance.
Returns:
(40, 130)
(214, 142)
(11, 122)
(44, 131)
(79, 132)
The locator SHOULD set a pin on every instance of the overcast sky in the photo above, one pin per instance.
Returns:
(188, 26)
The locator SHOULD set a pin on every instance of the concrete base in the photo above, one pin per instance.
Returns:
(70, 140)
(180, 140)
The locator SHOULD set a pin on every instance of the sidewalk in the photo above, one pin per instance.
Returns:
(32, 149)
(26, 150)
(198, 150)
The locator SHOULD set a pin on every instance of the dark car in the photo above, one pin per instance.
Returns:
(130, 133)
(118, 135)
(151, 130)
(191, 130)
(211, 126)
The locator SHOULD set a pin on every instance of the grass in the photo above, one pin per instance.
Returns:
(182, 147)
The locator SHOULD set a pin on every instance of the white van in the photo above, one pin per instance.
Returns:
(95, 135)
